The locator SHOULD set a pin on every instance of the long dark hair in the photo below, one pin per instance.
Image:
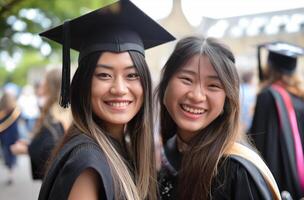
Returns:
(200, 162)
(140, 129)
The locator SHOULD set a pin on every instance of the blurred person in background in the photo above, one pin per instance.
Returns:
(49, 128)
(12, 89)
(278, 123)
(9, 115)
(247, 99)
(28, 103)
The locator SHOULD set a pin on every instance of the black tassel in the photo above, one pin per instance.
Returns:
(66, 62)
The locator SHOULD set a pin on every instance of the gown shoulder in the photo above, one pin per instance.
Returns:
(79, 154)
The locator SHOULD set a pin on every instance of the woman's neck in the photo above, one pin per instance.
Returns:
(116, 132)
(182, 145)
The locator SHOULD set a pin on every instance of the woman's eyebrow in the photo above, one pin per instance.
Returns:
(111, 67)
(129, 67)
(213, 77)
(104, 66)
(187, 71)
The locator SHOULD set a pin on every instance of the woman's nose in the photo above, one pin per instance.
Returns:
(119, 87)
(197, 93)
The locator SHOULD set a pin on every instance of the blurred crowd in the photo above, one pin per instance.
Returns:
(32, 122)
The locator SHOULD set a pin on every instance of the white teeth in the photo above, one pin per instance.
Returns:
(118, 104)
(193, 110)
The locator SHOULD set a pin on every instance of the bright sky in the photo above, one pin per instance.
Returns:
(194, 10)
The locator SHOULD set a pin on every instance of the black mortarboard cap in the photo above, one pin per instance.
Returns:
(118, 27)
(282, 57)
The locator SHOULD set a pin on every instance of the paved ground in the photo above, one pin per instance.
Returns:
(23, 188)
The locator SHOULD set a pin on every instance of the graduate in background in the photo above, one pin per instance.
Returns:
(199, 117)
(49, 128)
(9, 115)
(278, 123)
(109, 151)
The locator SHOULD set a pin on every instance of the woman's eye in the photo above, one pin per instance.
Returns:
(133, 76)
(103, 76)
(186, 80)
(215, 86)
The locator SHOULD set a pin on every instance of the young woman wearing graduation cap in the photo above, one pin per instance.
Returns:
(204, 155)
(277, 127)
(108, 153)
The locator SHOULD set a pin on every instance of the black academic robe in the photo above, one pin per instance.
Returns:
(267, 136)
(233, 181)
(41, 147)
(80, 153)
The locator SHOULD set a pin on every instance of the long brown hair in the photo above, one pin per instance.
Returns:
(52, 81)
(140, 129)
(200, 162)
(291, 82)
(7, 102)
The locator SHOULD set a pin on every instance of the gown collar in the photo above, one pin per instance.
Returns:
(172, 154)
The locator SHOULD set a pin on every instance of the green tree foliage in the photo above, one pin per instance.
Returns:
(20, 23)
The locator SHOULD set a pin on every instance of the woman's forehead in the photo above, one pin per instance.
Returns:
(197, 63)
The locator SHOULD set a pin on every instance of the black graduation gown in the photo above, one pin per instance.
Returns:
(8, 137)
(41, 147)
(267, 136)
(233, 180)
(80, 153)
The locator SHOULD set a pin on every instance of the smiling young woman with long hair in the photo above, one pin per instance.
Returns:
(108, 153)
(204, 155)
